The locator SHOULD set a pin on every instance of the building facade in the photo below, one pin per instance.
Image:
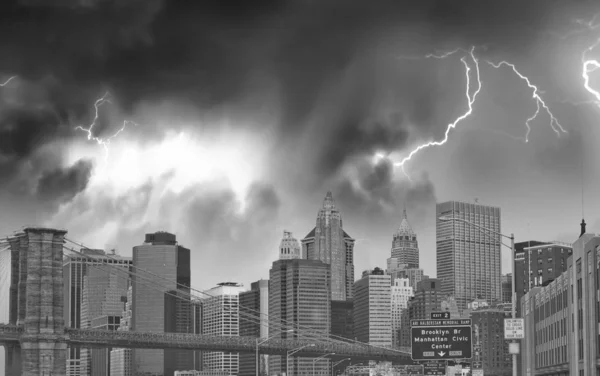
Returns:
(342, 318)
(220, 317)
(373, 309)
(299, 297)
(539, 264)
(468, 258)
(396, 270)
(121, 358)
(161, 301)
(254, 311)
(75, 269)
(329, 243)
(507, 288)
(401, 292)
(405, 247)
(490, 349)
(104, 293)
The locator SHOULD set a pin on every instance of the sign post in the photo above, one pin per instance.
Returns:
(441, 339)
(514, 329)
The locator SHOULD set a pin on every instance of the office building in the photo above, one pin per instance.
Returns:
(102, 304)
(428, 298)
(490, 349)
(342, 318)
(405, 247)
(401, 293)
(329, 243)
(161, 301)
(254, 322)
(75, 269)
(220, 317)
(468, 258)
(539, 264)
(299, 297)
(121, 358)
(507, 288)
(289, 247)
(373, 308)
(396, 271)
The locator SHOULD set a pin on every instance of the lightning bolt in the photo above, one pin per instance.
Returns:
(590, 65)
(470, 100)
(554, 123)
(105, 142)
(7, 81)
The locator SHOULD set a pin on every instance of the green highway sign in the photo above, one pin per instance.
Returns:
(441, 339)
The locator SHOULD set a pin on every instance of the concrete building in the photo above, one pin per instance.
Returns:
(104, 293)
(428, 298)
(373, 309)
(405, 247)
(539, 264)
(220, 317)
(75, 269)
(401, 292)
(490, 350)
(397, 270)
(448, 304)
(342, 318)
(121, 358)
(329, 243)
(166, 266)
(468, 259)
(507, 288)
(254, 322)
(289, 247)
(299, 296)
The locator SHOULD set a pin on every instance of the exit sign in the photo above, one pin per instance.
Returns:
(440, 315)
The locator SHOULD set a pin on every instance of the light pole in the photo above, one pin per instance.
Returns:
(263, 341)
(336, 363)
(512, 260)
(292, 352)
(319, 358)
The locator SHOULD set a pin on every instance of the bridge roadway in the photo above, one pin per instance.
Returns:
(106, 338)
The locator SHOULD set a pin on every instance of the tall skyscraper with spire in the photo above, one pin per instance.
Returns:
(405, 247)
(329, 243)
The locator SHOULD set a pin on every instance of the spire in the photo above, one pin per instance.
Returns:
(404, 228)
(582, 227)
(289, 248)
(328, 203)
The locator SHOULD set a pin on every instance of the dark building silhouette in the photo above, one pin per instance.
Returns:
(254, 305)
(342, 318)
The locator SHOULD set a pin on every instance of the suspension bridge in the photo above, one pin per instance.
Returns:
(37, 337)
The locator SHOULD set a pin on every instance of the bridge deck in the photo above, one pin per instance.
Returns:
(106, 338)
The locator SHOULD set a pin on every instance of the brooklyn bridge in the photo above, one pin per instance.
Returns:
(36, 339)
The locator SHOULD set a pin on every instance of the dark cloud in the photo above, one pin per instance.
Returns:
(374, 190)
(330, 64)
(62, 185)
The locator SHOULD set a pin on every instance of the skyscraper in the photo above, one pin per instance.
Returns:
(298, 297)
(468, 257)
(401, 293)
(75, 270)
(153, 310)
(405, 247)
(329, 243)
(373, 308)
(254, 322)
(220, 317)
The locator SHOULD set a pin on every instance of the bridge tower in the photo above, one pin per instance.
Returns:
(38, 306)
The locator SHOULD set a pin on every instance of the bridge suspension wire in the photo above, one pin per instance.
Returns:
(124, 271)
(293, 325)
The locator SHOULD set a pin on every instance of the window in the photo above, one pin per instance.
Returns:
(540, 271)
(539, 251)
(549, 259)
(550, 270)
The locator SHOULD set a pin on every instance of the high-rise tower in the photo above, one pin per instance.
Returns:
(329, 243)
(405, 247)
(468, 258)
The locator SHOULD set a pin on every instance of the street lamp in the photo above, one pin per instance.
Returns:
(512, 260)
(263, 341)
(336, 363)
(319, 358)
(292, 352)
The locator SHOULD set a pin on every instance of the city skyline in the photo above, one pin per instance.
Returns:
(228, 155)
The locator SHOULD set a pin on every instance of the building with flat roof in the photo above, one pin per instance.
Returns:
(373, 309)
(468, 258)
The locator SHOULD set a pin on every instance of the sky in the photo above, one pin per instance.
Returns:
(233, 119)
